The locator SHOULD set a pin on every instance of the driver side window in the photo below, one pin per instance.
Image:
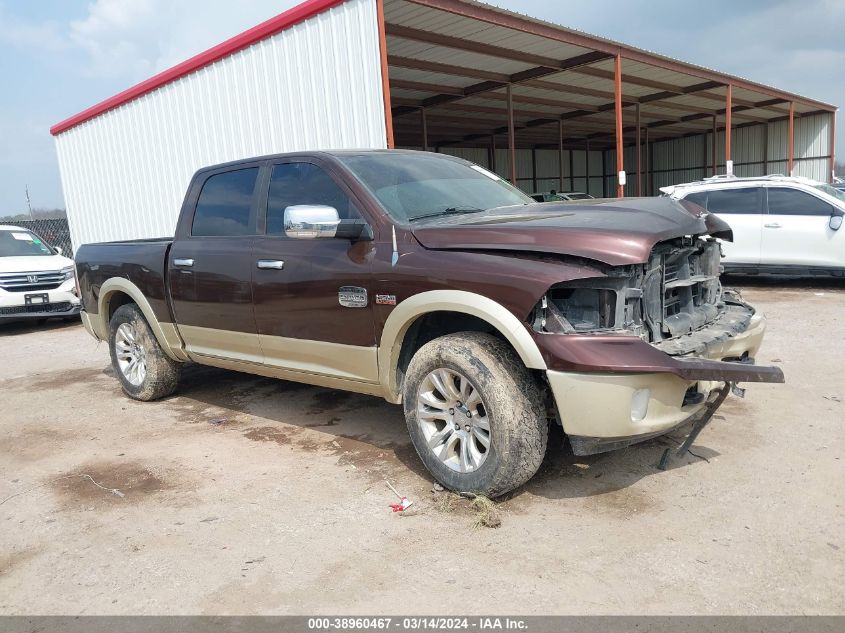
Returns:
(294, 184)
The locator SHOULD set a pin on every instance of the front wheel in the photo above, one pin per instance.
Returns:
(144, 370)
(475, 414)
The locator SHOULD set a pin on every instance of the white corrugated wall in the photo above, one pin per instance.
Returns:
(690, 158)
(316, 85)
(674, 161)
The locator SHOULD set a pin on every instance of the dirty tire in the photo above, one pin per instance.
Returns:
(162, 373)
(513, 404)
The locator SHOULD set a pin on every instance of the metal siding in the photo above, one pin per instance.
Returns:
(477, 155)
(547, 184)
(503, 163)
(747, 144)
(579, 165)
(678, 160)
(524, 164)
(812, 147)
(778, 134)
(316, 85)
(548, 164)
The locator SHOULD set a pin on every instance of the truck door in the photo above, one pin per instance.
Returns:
(797, 232)
(210, 267)
(313, 297)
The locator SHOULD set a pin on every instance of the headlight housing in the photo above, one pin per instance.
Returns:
(585, 309)
(67, 273)
(607, 304)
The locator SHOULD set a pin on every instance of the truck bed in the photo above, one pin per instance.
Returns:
(141, 262)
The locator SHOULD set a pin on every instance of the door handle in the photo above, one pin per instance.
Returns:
(270, 264)
(183, 263)
(772, 225)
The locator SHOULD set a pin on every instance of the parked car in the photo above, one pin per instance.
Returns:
(781, 225)
(433, 283)
(36, 281)
(555, 196)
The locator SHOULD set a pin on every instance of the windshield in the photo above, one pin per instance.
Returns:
(22, 244)
(831, 191)
(413, 186)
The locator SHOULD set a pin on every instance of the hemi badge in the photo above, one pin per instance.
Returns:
(386, 300)
(352, 297)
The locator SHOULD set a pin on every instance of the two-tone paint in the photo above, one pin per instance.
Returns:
(488, 269)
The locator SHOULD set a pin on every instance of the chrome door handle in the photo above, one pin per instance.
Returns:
(183, 263)
(270, 264)
(772, 225)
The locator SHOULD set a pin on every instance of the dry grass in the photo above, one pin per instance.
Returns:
(445, 502)
(486, 513)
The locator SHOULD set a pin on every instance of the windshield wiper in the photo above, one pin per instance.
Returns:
(449, 211)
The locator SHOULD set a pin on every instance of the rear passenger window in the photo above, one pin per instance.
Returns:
(745, 200)
(699, 198)
(784, 201)
(303, 183)
(225, 204)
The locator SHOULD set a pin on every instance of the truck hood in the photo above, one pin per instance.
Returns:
(615, 232)
(33, 263)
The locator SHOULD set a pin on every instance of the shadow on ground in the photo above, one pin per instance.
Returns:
(780, 282)
(30, 326)
(365, 430)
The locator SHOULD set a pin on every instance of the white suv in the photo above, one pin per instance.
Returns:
(781, 225)
(36, 281)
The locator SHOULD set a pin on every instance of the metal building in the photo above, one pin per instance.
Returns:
(545, 106)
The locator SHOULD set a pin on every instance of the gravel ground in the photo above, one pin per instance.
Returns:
(242, 495)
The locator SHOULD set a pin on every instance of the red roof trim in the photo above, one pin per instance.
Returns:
(264, 30)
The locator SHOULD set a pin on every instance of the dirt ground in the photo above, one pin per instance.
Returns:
(242, 495)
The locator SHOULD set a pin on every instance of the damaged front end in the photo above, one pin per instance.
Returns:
(675, 302)
(663, 302)
(651, 347)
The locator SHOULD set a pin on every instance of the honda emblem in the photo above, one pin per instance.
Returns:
(33, 279)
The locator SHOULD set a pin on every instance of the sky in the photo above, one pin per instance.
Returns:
(57, 57)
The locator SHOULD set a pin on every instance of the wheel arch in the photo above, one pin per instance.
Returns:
(118, 291)
(409, 312)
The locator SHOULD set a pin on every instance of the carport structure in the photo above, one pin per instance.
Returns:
(552, 108)
(544, 106)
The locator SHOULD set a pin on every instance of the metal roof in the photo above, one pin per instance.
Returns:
(456, 58)
(448, 55)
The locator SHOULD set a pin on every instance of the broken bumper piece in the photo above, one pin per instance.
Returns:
(612, 392)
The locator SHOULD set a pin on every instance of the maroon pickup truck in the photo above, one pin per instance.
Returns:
(433, 283)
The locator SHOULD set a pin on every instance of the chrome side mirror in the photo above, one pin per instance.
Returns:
(310, 221)
(836, 220)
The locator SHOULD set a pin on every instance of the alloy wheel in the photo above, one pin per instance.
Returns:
(453, 420)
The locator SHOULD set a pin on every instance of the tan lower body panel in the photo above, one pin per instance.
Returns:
(350, 362)
(90, 324)
(166, 334)
(600, 405)
(330, 382)
(241, 346)
(603, 405)
(334, 365)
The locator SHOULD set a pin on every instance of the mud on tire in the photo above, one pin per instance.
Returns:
(160, 374)
(512, 409)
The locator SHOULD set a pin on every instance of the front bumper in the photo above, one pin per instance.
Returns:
(645, 394)
(61, 302)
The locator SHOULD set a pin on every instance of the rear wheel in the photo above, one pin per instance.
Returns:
(475, 414)
(145, 372)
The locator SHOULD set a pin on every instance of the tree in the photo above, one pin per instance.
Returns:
(37, 214)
